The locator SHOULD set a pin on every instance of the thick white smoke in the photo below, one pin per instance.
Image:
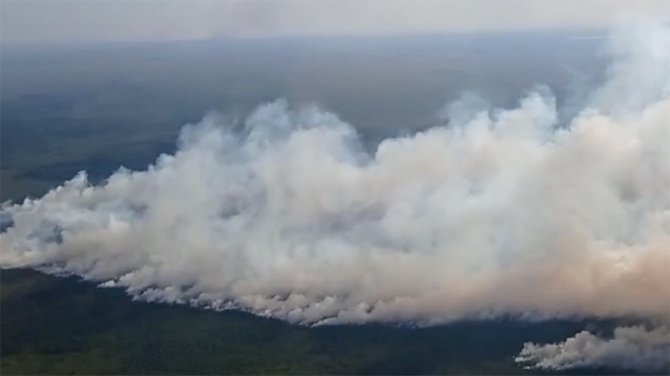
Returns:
(499, 212)
(631, 348)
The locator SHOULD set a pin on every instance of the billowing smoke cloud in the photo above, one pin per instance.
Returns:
(631, 348)
(499, 212)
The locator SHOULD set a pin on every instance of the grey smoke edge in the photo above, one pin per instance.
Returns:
(500, 212)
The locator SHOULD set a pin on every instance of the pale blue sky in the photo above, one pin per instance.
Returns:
(99, 20)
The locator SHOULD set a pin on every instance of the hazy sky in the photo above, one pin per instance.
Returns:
(64, 20)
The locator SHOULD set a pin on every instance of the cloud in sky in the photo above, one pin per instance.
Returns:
(67, 20)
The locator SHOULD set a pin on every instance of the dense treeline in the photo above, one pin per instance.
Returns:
(56, 325)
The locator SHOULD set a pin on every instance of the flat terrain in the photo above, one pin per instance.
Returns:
(96, 109)
(56, 325)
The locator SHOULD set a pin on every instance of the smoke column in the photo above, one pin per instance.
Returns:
(497, 212)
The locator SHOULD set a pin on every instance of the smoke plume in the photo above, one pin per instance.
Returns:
(497, 212)
(630, 348)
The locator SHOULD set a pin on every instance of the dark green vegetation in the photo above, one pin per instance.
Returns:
(64, 326)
